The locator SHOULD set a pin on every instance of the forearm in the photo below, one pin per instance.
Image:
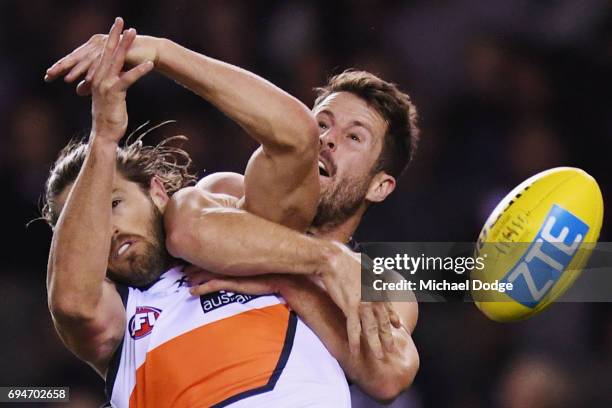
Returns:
(274, 118)
(234, 242)
(81, 240)
(381, 378)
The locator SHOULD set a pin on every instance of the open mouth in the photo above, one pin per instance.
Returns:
(323, 170)
(123, 248)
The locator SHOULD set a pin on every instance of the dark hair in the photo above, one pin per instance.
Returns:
(135, 161)
(394, 106)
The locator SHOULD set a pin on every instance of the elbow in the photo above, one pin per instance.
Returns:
(65, 303)
(179, 241)
(310, 134)
(405, 378)
(177, 216)
(301, 135)
(386, 394)
(173, 243)
(389, 390)
(190, 224)
(175, 236)
(309, 137)
(65, 308)
(393, 382)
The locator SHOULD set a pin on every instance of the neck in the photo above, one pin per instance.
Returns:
(342, 232)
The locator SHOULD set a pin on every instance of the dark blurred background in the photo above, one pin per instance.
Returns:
(505, 89)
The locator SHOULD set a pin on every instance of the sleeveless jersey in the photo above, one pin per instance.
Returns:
(223, 349)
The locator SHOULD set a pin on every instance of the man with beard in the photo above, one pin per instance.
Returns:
(196, 356)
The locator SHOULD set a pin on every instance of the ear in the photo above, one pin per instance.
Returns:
(158, 193)
(381, 186)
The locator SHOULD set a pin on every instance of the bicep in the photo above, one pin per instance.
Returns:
(282, 188)
(94, 339)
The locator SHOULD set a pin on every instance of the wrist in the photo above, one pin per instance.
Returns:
(329, 255)
(284, 286)
(145, 48)
(162, 47)
(102, 143)
(159, 45)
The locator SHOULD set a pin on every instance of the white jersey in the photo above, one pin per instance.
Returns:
(223, 349)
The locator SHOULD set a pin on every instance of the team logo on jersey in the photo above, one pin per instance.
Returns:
(216, 300)
(141, 324)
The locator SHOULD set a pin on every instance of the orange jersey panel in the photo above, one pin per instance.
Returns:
(217, 363)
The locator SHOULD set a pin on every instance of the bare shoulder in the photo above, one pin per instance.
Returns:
(228, 183)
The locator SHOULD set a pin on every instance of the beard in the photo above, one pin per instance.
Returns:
(340, 201)
(145, 267)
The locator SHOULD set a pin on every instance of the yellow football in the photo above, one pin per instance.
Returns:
(538, 238)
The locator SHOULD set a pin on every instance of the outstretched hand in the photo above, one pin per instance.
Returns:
(109, 84)
(83, 61)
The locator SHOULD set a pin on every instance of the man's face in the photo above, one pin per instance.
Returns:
(351, 135)
(138, 254)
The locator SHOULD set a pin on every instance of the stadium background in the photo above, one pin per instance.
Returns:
(505, 89)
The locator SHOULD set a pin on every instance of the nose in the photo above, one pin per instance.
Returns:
(327, 141)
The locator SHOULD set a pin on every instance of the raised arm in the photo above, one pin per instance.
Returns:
(282, 176)
(87, 310)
